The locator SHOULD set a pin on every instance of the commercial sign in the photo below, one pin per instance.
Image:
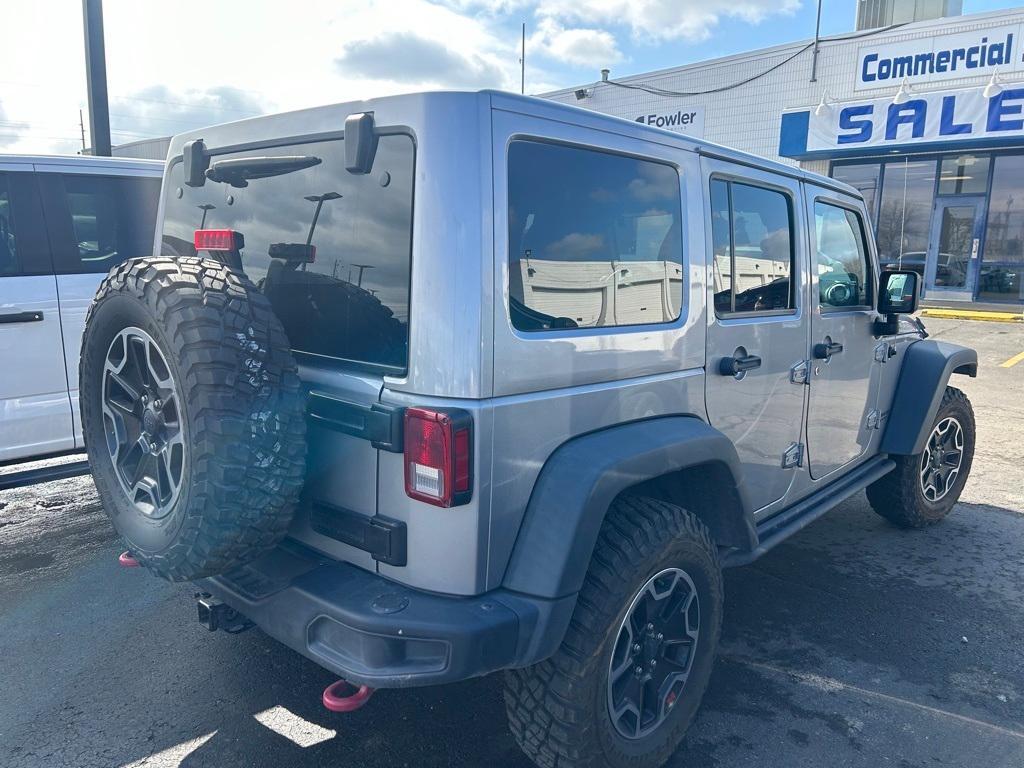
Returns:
(672, 117)
(942, 118)
(941, 57)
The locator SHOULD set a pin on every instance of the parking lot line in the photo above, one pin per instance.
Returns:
(829, 684)
(1012, 361)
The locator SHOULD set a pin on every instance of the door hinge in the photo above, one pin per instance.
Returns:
(793, 456)
(874, 419)
(798, 373)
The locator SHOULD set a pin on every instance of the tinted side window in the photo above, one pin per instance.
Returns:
(841, 258)
(594, 238)
(9, 264)
(111, 219)
(24, 248)
(752, 234)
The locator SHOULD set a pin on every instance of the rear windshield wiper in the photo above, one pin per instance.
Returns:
(240, 171)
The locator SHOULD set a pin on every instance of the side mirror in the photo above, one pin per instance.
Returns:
(897, 295)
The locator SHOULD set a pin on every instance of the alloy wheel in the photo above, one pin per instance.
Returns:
(653, 654)
(142, 422)
(943, 455)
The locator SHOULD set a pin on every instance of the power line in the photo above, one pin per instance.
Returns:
(653, 89)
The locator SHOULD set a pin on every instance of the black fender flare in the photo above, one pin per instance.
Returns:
(583, 476)
(927, 366)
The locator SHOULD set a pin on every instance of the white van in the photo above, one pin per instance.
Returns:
(64, 222)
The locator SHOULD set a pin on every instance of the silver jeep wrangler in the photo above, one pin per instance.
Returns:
(432, 386)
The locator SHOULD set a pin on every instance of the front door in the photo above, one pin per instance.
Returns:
(953, 247)
(757, 333)
(841, 413)
(35, 413)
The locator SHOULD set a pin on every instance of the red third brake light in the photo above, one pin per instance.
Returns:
(438, 456)
(218, 240)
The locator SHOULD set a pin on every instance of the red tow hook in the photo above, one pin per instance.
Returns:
(343, 696)
(125, 560)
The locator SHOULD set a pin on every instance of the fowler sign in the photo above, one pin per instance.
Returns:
(688, 120)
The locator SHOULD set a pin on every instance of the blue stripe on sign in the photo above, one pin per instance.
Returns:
(793, 134)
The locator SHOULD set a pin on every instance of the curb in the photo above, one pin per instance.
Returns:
(969, 314)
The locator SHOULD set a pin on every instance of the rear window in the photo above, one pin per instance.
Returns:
(352, 301)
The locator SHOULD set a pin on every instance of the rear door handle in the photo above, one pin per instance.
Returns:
(825, 350)
(732, 366)
(21, 317)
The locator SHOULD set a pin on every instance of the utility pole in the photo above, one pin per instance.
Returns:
(817, 41)
(81, 126)
(96, 77)
(522, 63)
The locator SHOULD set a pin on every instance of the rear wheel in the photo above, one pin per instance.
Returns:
(629, 676)
(192, 414)
(923, 488)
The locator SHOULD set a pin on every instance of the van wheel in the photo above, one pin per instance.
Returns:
(923, 488)
(192, 415)
(628, 678)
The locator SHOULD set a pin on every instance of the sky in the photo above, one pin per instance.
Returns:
(175, 65)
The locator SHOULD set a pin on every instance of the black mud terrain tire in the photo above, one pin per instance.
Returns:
(910, 496)
(192, 414)
(560, 711)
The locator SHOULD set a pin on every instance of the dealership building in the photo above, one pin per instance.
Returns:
(925, 118)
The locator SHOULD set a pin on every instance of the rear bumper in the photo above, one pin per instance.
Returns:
(373, 631)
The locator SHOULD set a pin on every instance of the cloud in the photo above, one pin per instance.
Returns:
(665, 19)
(10, 130)
(576, 46)
(161, 111)
(409, 58)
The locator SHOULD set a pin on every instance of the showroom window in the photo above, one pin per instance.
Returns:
(1002, 268)
(865, 178)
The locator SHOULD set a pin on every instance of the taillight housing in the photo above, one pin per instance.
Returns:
(218, 240)
(438, 456)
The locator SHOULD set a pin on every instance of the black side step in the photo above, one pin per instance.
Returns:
(43, 474)
(778, 528)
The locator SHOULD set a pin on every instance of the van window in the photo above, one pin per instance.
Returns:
(752, 247)
(841, 258)
(594, 238)
(351, 301)
(24, 248)
(9, 264)
(100, 221)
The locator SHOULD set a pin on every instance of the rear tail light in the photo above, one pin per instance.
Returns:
(438, 456)
(218, 240)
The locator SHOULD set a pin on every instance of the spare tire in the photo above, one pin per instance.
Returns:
(192, 414)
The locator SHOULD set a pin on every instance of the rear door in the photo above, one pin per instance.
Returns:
(97, 218)
(844, 379)
(757, 331)
(331, 250)
(35, 413)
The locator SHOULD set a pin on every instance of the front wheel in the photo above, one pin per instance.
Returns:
(923, 488)
(629, 676)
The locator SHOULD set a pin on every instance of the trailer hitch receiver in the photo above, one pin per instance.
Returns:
(214, 615)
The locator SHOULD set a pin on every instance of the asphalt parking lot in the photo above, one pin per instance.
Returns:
(852, 644)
